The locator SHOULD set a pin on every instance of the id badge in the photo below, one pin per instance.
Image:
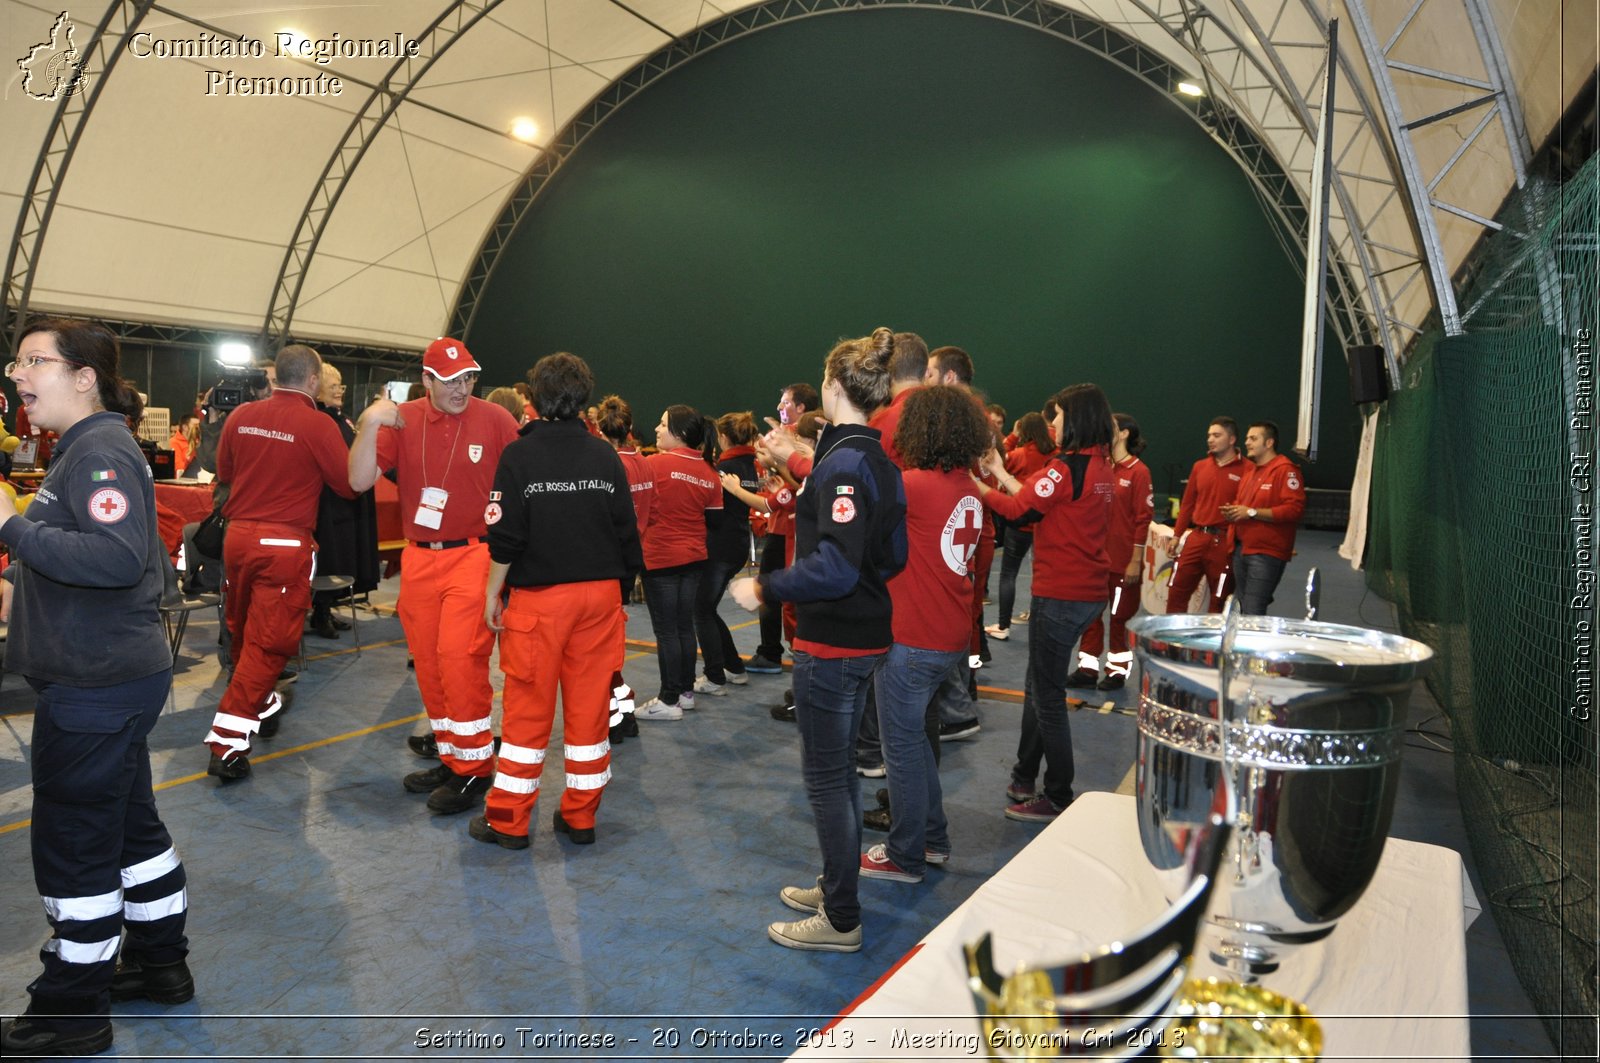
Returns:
(430, 511)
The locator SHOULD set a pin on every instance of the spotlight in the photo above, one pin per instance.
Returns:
(525, 130)
(235, 353)
(1189, 88)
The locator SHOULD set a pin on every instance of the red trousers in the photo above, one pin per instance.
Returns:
(568, 636)
(1124, 604)
(1205, 556)
(441, 609)
(268, 570)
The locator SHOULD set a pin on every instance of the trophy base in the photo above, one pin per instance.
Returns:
(1228, 1020)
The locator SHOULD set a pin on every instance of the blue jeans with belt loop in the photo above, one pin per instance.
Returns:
(830, 694)
(905, 686)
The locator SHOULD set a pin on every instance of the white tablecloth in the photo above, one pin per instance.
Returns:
(1389, 983)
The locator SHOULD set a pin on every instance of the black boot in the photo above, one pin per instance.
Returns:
(164, 983)
(322, 623)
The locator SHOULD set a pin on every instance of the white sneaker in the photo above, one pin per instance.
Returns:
(802, 898)
(995, 631)
(656, 709)
(1020, 618)
(974, 662)
(738, 679)
(815, 934)
(686, 701)
(702, 685)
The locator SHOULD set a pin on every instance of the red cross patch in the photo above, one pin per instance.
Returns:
(844, 510)
(491, 515)
(1044, 486)
(108, 505)
(1294, 484)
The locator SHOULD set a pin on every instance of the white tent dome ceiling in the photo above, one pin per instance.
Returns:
(178, 206)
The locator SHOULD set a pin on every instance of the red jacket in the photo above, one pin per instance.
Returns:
(1278, 485)
(1071, 499)
(276, 453)
(1211, 486)
(932, 595)
(1131, 508)
(640, 484)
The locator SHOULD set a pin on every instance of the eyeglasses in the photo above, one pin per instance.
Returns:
(465, 380)
(28, 361)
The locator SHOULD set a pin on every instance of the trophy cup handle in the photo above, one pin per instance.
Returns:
(1313, 594)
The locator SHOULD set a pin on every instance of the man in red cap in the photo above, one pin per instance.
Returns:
(445, 447)
(275, 454)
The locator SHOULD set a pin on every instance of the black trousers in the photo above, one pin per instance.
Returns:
(772, 559)
(103, 861)
(721, 656)
(670, 593)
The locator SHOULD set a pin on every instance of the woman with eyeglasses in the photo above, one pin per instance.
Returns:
(82, 598)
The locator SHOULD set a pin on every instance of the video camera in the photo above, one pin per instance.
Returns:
(236, 386)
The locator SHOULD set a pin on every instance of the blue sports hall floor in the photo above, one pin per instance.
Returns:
(331, 916)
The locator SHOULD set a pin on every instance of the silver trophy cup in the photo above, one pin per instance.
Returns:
(1301, 753)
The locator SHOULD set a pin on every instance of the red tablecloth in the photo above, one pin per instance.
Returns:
(177, 505)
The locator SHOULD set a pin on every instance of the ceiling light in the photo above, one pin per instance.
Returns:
(292, 41)
(525, 130)
(1189, 88)
(235, 353)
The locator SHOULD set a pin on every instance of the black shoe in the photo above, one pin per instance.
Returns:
(458, 793)
(411, 663)
(235, 767)
(616, 735)
(424, 745)
(762, 665)
(785, 711)
(883, 797)
(956, 730)
(164, 983)
(287, 676)
(322, 626)
(270, 725)
(479, 828)
(339, 623)
(428, 780)
(1111, 682)
(579, 835)
(25, 1038)
(1083, 678)
(876, 819)
(629, 725)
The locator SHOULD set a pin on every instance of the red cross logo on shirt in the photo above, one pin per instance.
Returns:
(108, 505)
(962, 532)
(844, 510)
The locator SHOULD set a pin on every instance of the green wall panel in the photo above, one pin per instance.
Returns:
(979, 182)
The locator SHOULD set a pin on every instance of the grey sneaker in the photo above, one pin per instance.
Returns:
(815, 934)
(803, 898)
(702, 685)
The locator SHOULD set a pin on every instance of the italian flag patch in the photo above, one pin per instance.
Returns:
(103, 474)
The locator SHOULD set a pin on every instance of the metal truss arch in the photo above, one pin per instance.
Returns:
(1268, 177)
(73, 111)
(391, 91)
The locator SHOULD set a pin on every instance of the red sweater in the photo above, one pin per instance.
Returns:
(1131, 508)
(641, 484)
(276, 453)
(1278, 485)
(685, 488)
(932, 595)
(1071, 500)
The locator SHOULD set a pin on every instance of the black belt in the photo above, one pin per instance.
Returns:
(450, 544)
(1209, 529)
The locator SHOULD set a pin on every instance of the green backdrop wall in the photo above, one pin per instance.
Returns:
(981, 183)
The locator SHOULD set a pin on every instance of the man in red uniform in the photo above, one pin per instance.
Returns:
(793, 402)
(275, 454)
(1204, 553)
(445, 447)
(1264, 515)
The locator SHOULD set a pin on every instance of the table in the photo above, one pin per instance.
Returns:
(177, 504)
(1390, 982)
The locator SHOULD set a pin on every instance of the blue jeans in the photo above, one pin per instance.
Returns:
(1054, 627)
(669, 593)
(829, 696)
(1255, 577)
(905, 686)
(716, 641)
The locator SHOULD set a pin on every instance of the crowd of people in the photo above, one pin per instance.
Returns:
(881, 497)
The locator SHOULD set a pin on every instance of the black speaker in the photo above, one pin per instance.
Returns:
(1369, 378)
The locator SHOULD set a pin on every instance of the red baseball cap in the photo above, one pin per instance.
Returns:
(447, 359)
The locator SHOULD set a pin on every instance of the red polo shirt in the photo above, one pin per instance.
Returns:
(276, 453)
(640, 483)
(456, 452)
(1211, 486)
(1131, 508)
(685, 488)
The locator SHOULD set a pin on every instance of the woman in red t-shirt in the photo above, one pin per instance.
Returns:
(615, 424)
(686, 485)
(1025, 460)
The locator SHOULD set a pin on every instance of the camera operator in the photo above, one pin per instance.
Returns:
(275, 455)
(237, 387)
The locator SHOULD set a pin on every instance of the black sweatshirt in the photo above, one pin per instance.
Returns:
(561, 511)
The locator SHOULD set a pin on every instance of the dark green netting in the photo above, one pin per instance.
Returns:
(1480, 536)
